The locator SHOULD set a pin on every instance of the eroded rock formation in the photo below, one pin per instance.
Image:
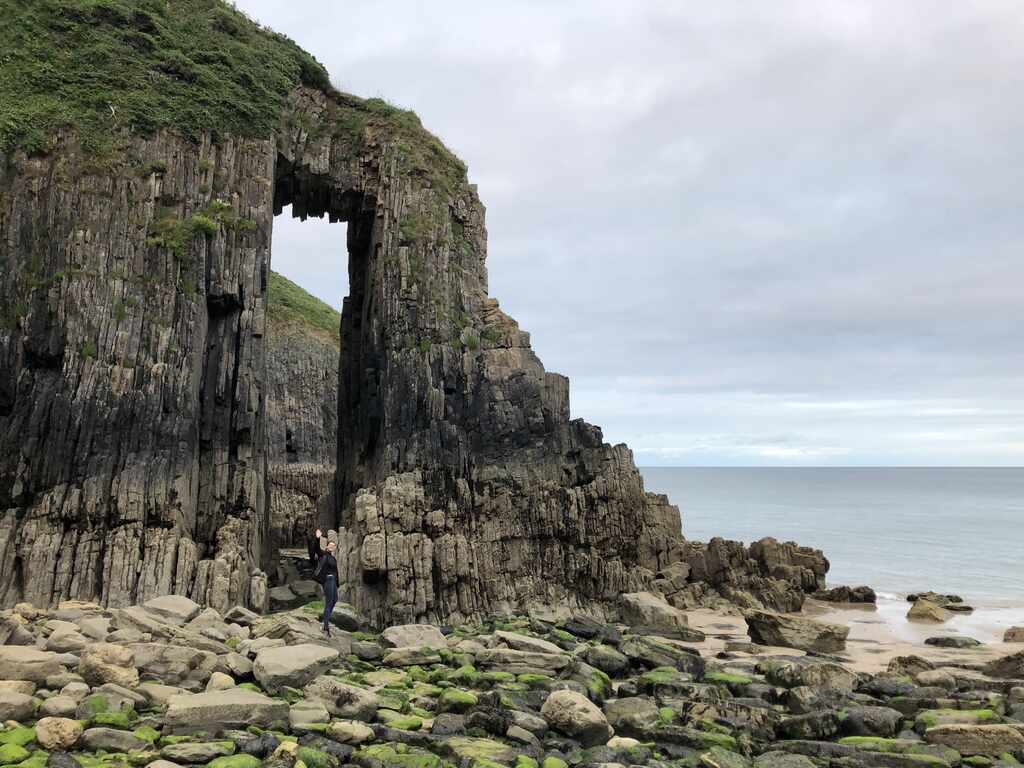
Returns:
(136, 426)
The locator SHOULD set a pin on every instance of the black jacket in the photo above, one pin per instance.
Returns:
(324, 563)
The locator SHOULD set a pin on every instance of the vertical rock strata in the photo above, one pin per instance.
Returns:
(134, 386)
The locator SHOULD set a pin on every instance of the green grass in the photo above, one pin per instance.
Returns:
(103, 67)
(287, 302)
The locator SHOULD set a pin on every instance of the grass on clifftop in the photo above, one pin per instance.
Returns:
(103, 66)
(287, 302)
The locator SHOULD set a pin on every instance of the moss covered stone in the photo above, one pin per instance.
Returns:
(234, 761)
(390, 755)
(12, 753)
(20, 735)
(455, 700)
(315, 758)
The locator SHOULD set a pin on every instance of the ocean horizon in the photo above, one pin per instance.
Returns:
(899, 530)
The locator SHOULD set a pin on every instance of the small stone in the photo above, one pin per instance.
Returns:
(197, 751)
(349, 732)
(219, 682)
(58, 706)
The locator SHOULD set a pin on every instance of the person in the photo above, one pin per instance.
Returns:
(326, 572)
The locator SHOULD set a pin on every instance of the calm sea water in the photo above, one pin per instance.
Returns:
(897, 530)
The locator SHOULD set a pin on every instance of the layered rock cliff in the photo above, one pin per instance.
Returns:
(137, 426)
(303, 345)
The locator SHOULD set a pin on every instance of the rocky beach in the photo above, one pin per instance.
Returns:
(176, 417)
(169, 683)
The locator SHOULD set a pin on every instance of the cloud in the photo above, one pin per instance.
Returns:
(705, 214)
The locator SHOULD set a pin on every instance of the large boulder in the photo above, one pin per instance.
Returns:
(790, 674)
(766, 628)
(526, 643)
(23, 663)
(413, 636)
(291, 666)
(977, 739)
(174, 664)
(576, 716)
(649, 610)
(1014, 635)
(231, 708)
(108, 663)
(58, 733)
(342, 700)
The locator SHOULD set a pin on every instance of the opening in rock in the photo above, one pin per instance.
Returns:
(308, 281)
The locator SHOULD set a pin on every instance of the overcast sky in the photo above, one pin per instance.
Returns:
(784, 233)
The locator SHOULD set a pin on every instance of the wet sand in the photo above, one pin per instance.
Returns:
(878, 633)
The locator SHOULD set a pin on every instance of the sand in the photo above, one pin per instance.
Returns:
(878, 633)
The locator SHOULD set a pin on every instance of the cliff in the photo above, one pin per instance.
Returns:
(147, 147)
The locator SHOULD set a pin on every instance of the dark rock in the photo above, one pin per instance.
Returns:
(493, 720)
(61, 760)
(871, 721)
(814, 725)
(448, 724)
(952, 641)
(1011, 666)
(340, 751)
(259, 746)
(844, 594)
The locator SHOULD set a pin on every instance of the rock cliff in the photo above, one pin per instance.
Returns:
(137, 427)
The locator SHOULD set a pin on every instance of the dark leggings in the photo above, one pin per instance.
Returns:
(330, 598)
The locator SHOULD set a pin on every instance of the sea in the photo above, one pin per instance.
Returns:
(898, 530)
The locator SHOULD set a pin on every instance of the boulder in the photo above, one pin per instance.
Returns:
(197, 751)
(58, 733)
(518, 662)
(977, 739)
(304, 713)
(790, 674)
(16, 706)
(342, 700)
(67, 641)
(23, 663)
(174, 664)
(18, 686)
(220, 682)
(844, 594)
(1007, 667)
(174, 608)
(108, 663)
(1014, 635)
(112, 740)
(408, 657)
(649, 610)
(926, 610)
(766, 628)
(232, 708)
(526, 643)
(292, 666)
(58, 706)
(349, 732)
(952, 641)
(413, 636)
(574, 715)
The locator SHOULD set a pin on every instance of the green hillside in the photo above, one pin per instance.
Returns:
(289, 303)
(103, 67)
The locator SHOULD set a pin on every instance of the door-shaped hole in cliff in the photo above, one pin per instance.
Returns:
(307, 282)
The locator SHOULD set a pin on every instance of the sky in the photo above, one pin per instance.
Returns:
(783, 233)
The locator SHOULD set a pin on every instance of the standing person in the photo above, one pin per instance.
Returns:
(326, 572)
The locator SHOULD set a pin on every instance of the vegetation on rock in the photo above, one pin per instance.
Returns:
(288, 302)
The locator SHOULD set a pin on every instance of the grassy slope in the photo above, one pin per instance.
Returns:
(104, 66)
(288, 303)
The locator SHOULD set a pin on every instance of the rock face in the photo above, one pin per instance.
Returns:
(135, 453)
